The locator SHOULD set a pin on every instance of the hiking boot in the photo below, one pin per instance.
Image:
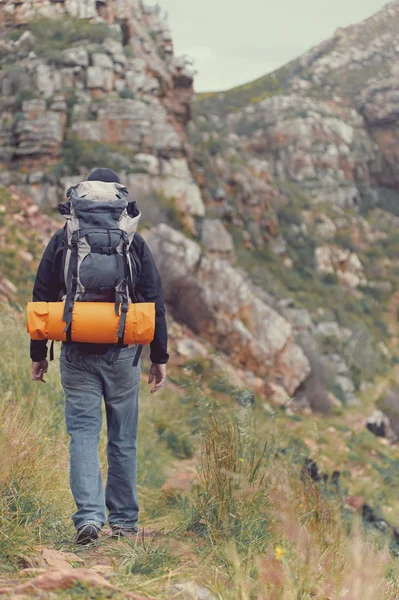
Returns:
(119, 531)
(87, 535)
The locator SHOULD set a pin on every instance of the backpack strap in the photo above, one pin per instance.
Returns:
(113, 353)
(137, 355)
(71, 284)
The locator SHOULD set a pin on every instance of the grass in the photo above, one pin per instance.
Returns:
(254, 525)
(243, 95)
(52, 36)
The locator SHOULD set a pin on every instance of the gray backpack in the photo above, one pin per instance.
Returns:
(100, 226)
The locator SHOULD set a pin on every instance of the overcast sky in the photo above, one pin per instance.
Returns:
(235, 41)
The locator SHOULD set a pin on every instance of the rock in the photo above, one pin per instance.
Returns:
(26, 256)
(345, 264)
(76, 56)
(277, 395)
(332, 329)
(189, 590)
(325, 227)
(27, 38)
(299, 318)
(83, 9)
(41, 133)
(190, 348)
(57, 559)
(215, 237)
(44, 80)
(215, 300)
(63, 579)
(148, 162)
(115, 49)
(220, 194)
(379, 424)
(7, 288)
(175, 183)
(103, 61)
(97, 78)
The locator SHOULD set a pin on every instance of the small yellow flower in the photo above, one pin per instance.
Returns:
(46, 439)
(241, 459)
(279, 552)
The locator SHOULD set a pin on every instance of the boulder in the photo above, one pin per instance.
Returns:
(190, 590)
(103, 61)
(174, 182)
(216, 239)
(379, 424)
(99, 78)
(115, 49)
(217, 302)
(45, 80)
(76, 57)
(344, 264)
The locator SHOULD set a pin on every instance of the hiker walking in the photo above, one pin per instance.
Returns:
(98, 257)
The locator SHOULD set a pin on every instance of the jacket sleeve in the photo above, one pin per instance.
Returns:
(149, 287)
(46, 289)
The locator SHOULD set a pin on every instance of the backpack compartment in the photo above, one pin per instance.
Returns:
(102, 266)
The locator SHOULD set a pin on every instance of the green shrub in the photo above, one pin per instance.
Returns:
(128, 51)
(330, 278)
(23, 95)
(339, 393)
(126, 93)
(55, 35)
(176, 439)
(79, 153)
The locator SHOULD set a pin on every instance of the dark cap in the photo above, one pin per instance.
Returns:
(106, 175)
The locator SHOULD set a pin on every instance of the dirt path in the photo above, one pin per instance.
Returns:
(52, 570)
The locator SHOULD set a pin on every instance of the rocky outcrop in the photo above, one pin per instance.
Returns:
(216, 239)
(89, 103)
(322, 145)
(344, 264)
(379, 424)
(217, 302)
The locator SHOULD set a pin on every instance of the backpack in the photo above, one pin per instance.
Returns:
(99, 230)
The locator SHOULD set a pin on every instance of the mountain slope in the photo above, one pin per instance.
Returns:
(301, 165)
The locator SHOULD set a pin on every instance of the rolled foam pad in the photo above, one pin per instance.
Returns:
(94, 322)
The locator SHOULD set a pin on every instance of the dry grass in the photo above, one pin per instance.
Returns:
(273, 532)
(254, 526)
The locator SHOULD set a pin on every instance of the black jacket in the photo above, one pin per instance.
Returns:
(50, 287)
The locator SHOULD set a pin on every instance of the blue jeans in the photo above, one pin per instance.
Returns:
(86, 379)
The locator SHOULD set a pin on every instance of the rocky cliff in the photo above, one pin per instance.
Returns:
(271, 213)
(301, 166)
(85, 83)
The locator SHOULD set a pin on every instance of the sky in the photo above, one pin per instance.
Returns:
(235, 41)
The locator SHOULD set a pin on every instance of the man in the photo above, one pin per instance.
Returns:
(87, 377)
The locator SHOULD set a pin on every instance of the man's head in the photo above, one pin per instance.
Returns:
(104, 174)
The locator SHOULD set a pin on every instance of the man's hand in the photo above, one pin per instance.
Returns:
(39, 369)
(157, 372)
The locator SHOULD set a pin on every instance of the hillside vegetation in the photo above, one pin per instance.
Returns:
(254, 523)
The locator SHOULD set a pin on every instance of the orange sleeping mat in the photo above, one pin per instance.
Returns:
(94, 322)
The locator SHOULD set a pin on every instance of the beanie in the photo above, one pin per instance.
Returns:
(104, 174)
